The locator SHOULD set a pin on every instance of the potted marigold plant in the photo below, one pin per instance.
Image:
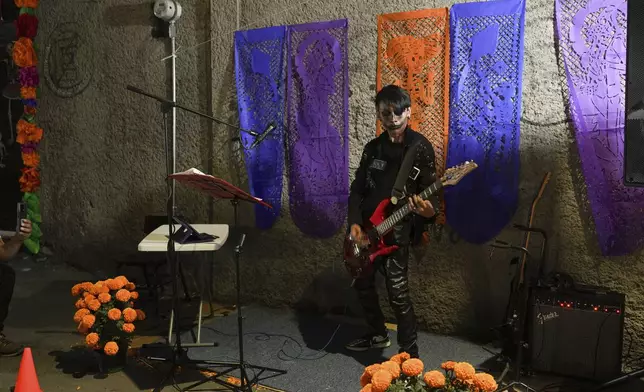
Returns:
(105, 315)
(402, 374)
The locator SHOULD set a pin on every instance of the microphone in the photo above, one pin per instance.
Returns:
(261, 137)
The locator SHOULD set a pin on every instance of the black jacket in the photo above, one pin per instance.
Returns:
(372, 184)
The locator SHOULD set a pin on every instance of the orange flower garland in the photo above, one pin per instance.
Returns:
(106, 314)
(404, 373)
(29, 134)
(23, 53)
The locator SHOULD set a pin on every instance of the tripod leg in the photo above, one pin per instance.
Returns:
(171, 326)
(635, 374)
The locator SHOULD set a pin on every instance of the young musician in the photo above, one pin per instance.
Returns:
(9, 250)
(374, 180)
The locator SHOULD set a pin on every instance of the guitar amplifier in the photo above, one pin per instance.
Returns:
(576, 332)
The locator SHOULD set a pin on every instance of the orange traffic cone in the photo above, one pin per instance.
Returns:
(27, 380)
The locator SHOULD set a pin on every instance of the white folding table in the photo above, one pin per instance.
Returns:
(157, 241)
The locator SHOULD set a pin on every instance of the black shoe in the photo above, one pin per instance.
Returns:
(412, 351)
(369, 341)
(9, 348)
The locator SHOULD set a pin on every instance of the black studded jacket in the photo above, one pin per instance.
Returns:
(375, 179)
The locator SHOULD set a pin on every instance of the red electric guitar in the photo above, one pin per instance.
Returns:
(359, 256)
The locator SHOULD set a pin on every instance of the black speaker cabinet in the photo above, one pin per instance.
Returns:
(634, 125)
(576, 333)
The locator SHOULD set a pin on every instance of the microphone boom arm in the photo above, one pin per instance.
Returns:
(167, 105)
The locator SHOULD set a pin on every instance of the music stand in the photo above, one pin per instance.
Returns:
(220, 189)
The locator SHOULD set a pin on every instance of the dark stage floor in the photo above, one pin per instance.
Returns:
(301, 344)
(41, 317)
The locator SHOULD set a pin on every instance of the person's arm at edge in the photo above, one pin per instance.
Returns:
(10, 249)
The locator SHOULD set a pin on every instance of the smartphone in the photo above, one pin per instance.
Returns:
(21, 214)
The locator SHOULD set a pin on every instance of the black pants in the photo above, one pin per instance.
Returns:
(7, 283)
(394, 268)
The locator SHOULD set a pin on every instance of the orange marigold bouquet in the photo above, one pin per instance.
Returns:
(105, 313)
(402, 373)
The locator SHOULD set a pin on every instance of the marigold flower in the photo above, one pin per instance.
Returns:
(392, 367)
(130, 286)
(28, 92)
(365, 379)
(80, 304)
(448, 365)
(88, 297)
(114, 284)
(128, 327)
(82, 329)
(27, 132)
(367, 388)
(80, 313)
(484, 382)
(94, 290)
(31, 159)
(140, 315)
(94, 304)
(134, 295)
(88, 320)
(26, 3)
(464, 371)
(412, 367)
(111, 348)
(104, 298)
(76, 290)
(123, 295)
(114, 314)
(372, 369)
(30, 178)
(24, 54)
(92, 339)
(434, 379)
(122, 279)
(129, 315)
(400, 358)
(381, 380)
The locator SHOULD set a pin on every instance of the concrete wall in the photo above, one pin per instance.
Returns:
(103, 164)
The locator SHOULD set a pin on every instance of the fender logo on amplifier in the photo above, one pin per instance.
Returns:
(542, 318)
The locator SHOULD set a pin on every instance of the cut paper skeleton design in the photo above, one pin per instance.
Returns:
(411, 53)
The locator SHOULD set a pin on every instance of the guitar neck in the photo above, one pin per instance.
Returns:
(403, 211)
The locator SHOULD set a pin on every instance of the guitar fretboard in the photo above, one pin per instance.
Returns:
(403, 211)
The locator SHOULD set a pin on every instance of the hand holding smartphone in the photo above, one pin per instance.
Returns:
(21, 214)
(23, 226)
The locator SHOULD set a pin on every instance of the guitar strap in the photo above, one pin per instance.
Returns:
(399, 190)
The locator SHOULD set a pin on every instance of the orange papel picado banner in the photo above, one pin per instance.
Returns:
(413, 52)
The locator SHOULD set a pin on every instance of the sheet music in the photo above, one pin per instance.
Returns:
(214, 186)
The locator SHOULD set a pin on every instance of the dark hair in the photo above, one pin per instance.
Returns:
(395, 96)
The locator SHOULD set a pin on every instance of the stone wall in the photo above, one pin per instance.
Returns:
(103, 160)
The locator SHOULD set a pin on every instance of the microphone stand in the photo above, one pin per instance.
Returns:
(167, 105)
(179, 356)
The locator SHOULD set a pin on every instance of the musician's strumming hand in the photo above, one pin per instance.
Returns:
(358, 235)
(422, 207)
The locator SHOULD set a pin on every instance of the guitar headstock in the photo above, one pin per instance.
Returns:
(454, 175)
